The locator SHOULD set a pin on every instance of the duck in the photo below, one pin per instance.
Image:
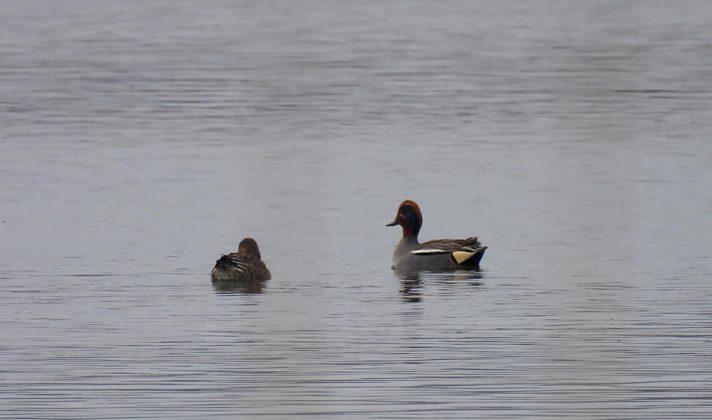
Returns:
(438, 254)
(244, 265)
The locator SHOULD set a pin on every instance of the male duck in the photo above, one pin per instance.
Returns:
(245, 264)
(440, 254)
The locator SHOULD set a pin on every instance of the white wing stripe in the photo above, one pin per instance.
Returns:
(429, 251)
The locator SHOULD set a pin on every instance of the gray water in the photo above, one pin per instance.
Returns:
(140, 140)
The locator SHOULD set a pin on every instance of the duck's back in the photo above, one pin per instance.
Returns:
(453, 245)
(238, 266)
(440, 254)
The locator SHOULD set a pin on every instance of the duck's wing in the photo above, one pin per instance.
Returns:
(463, 251)
(243, 264)
(451, 245)
(233, 261)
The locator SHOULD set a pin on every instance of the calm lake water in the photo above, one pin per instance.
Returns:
(139, 141)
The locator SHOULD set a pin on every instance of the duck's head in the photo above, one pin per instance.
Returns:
(248, 246)
(409, 217)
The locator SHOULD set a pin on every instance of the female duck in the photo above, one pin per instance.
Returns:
(439, 254)
(245, 264)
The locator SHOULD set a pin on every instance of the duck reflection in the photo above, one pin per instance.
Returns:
(411, 285)
(239, 286)
(471, 277)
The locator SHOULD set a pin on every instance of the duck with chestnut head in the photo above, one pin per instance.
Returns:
(438, 254)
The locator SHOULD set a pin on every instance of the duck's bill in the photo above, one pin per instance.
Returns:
(393, 223)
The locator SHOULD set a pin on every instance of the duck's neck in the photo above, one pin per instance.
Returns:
(406, 244)
(409, 237)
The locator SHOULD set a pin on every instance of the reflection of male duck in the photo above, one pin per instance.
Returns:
(414, 283)
(439, 254)
(244, 265)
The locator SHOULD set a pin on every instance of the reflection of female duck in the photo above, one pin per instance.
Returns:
(244, 265)
(232, 286)
(440, 254)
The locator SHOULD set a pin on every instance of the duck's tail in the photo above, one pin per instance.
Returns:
(469, 258)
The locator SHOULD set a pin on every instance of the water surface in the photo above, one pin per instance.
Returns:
(141, 141)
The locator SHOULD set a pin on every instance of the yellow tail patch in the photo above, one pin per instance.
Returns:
(461, 256)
